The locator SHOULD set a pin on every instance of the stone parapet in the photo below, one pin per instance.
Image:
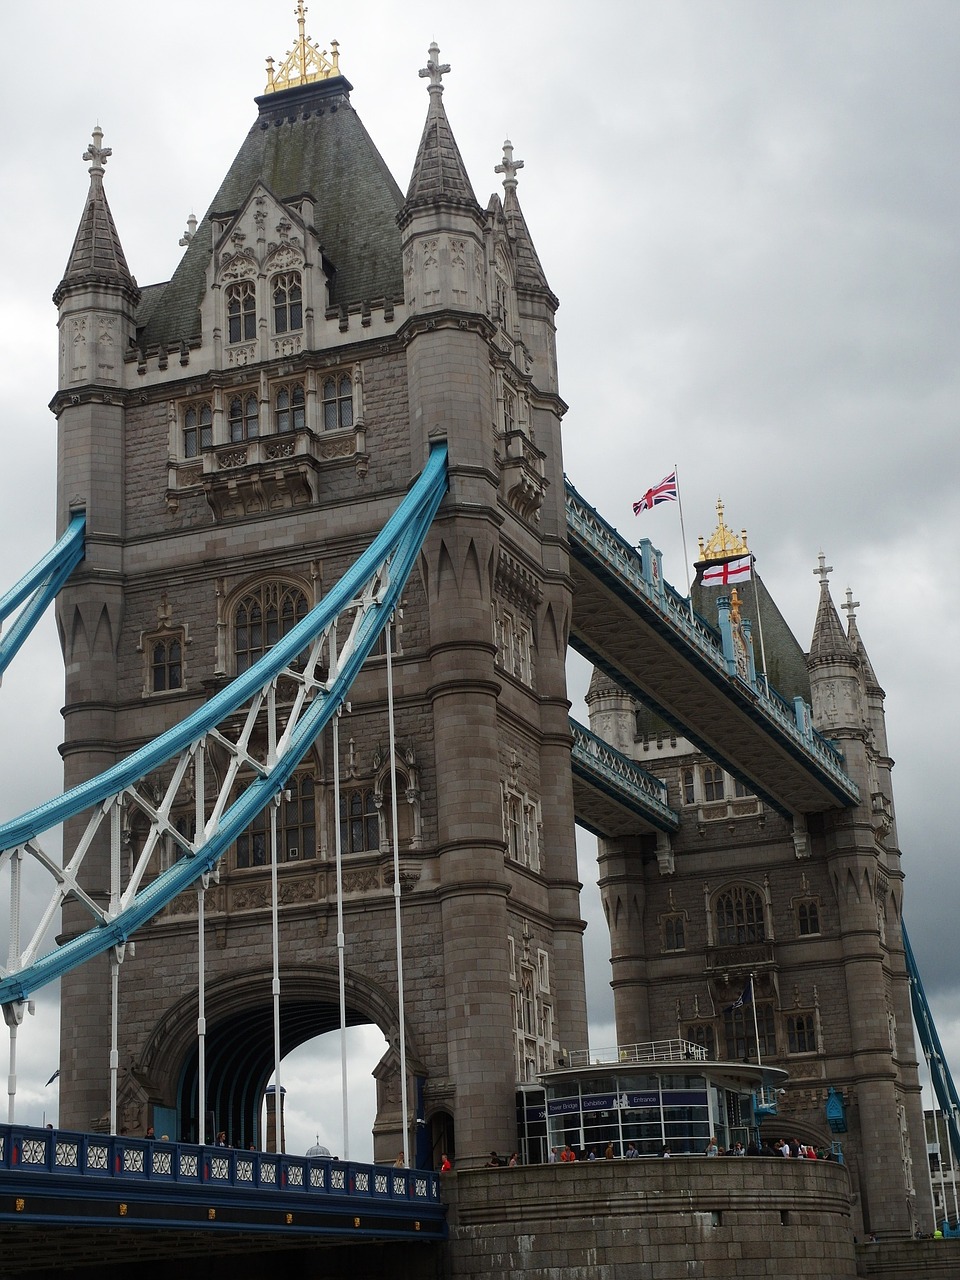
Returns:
(653, 1220)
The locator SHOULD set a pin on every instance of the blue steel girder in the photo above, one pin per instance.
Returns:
(41, 584)
(312, 659)
(643, 635)
(943, 1085)
(612, 795)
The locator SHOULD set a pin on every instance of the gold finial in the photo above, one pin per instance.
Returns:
(724, 541)
(306, 62)
(734, 607)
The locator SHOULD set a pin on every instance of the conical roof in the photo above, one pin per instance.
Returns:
(439, 174)
(829, 642)
(97, 256)
(305, 140)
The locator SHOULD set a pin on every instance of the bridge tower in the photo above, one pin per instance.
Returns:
(266, 409)
(799, 913)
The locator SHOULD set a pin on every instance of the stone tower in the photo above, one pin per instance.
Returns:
(237, 435)
(810, 905)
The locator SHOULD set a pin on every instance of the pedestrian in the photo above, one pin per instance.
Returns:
(445, 1165)
(631, 1152)
(712, 1149)
(552, 1158)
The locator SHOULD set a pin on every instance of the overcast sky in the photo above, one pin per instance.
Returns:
(749, 213)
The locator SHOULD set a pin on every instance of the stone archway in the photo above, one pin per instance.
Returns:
(239, 1042)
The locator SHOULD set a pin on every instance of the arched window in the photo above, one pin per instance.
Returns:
(687, 783)
(289, 412)
(712, 782)
(241, 312)
(338, 403)
(262, 617)
(808, 917)
(801, 1033)
(296, 828)
(197, 428)
(244, 417)
(359, 822)
(739, 917)
(701, 1033)
(287, 302)
(166, 663)
(741, 1037)
(673, 933)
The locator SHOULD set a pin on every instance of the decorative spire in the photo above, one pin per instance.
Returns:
(848, 607)
(190, 232)
(724, 542)
(96, 154)
(97, 254)
(435, 69)
(438, 171)
(829, 641)
(509, 166)
(305, 62)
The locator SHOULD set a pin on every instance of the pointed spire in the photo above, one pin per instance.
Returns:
(529, 271)
(97, 256)
(828, 641)
(439, 174)
(856, 643)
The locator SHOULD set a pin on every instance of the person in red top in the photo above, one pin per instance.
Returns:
(445, 1165)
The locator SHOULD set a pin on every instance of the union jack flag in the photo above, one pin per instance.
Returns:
(665, 491)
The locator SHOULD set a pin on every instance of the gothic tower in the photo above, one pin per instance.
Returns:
(805, 909)
(237, 438)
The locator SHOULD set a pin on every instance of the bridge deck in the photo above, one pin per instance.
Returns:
(52, 1178)
(641, 634)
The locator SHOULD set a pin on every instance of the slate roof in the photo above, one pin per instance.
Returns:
(97, 255)
(306, 140)
(439, 174)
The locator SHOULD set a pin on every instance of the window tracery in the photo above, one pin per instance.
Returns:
(261, 617)
(739, 916)
(241, 311)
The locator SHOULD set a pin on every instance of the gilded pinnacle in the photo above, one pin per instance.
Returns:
(305, 62)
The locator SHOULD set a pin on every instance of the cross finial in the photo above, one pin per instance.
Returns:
(848, 607)
(95, 153)
(822, 570)
(509, 165)
(435, 69)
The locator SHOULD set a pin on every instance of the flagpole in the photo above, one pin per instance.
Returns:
(756, 602)
(683, 541)
(756, 1027)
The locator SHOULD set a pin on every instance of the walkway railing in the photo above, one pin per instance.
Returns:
(635, 787)
(592, 534)
(647, 1051)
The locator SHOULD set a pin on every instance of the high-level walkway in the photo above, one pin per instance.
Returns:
(634, 626)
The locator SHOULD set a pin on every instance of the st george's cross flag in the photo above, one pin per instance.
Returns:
(665, 491)
(728, 572)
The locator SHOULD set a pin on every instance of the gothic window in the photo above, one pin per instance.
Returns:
(687, 783)
(673, 933)
(289, 411)
(197, 428)
(521, 821)
(509, 411)
(262, 617)
(338, 403)
(543, 971)
(241, 312)
(739, 917)
(166, 662)
(244, 417)
(801, 1033)
(740, 1036)
(514, 639)
(287, 302)
(712, 783)
(702, 1034)
(359, 822)
(740, 789)
(296, 828)
(808, 917)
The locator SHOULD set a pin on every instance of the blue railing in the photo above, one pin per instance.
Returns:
(622, 562)
(38, 1152)
(622, 776)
